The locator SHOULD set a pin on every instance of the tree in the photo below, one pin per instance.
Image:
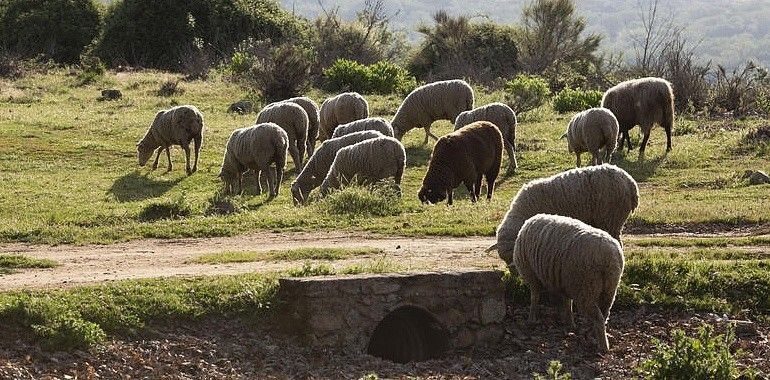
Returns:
(552, 36)
(657, 31)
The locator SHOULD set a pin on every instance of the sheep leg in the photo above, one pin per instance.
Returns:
(278, 179)
(429, 133)
(577, 161)
(490, 186)
(477, 188)
(186, 149)
(471, 190)
(295, 157)
(258, 174)
(270, 180)
(157, 157)
(449, 197)
(511, 150)
(566, 313)
(534, 303)
(238, 183)
(168, 157)
(597, 158)
(197, 141)
(643, 146)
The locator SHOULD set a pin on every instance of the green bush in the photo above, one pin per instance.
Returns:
(55, 29)
(380, 199)
(174, 29)
(379, 78)
(554, 372)
(569, 100)
(527, 92)
(706, 356)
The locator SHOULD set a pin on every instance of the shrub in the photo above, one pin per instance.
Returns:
(169, 88)
(56, 29)
(706, 356)
(527, 92)
(379, 78)
(281, 72)
(569, 100)
(380, 199)
(310, 270)
(455, 47)
(179, 30)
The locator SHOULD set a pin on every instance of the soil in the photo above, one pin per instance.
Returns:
(234, 349)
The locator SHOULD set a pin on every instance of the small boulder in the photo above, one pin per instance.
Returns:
(241, 107)
(111, 94)
(758, 177)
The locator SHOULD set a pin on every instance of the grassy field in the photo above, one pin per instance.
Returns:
(69, 172)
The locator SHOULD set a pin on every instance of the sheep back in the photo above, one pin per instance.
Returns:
(369, 124)
(602, 196)
(442, 100)
(367, 161)
(592, 130)
(499, 114)
(462, 157)
(573, 260)
(289, 116)
(314, 172)
(341, 109)
(642, 101)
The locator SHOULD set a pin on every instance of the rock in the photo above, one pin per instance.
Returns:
(111, 94)
(758, 177)
(241, 107)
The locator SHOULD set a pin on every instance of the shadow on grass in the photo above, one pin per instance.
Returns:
(417, 156)
(136, 187)
(641, 168)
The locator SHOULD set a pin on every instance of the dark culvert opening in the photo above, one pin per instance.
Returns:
(409, 334)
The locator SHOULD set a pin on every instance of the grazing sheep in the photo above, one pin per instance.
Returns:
(255, 148)
(591, 131)
(573, 261)
(501, 116)
(602, 196)
(293, 119)
(341, 109)
(311, 109)
(175, 126)
(366, 162)
(463, 156)
(369, 124)
(318, 165)
(442, 100)
(642, 102)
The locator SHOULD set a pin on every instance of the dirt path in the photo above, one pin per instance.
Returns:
(165, 258)
(149, 258)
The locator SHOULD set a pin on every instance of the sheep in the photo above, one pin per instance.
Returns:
(442, 100)
(591, 131)
(175, 126)
(318, 165)
(463, 156)
(311, 108)
(369, 124)
(255, 148)
(574, 262)
(341, 109)
(501, 116)
(602, 196)
(642, 102)
(366, 162)
(294, 120)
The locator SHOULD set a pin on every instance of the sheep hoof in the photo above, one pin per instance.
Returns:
(154, 166)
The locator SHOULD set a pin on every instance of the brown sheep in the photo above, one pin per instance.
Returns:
(463, 156)
(642, 102)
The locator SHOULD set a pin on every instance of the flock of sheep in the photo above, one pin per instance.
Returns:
(561, 233)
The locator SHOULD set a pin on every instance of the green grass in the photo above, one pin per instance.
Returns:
(9, 263)
(286, 255)
(722, 241)
(68, 166)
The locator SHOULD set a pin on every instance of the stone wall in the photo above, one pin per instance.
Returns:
(343, 312)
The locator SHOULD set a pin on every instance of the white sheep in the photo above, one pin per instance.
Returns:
(501, 116)
(318, 165)
(593, 130)
(442, 100)
(574, 262)
(294, 120)
(341, 109)
(175, 126)
(369, 124)
(366, 162)
(602, 196)
(311, 109)
(255, 148)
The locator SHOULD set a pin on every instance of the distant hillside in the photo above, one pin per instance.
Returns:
(730, 32)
